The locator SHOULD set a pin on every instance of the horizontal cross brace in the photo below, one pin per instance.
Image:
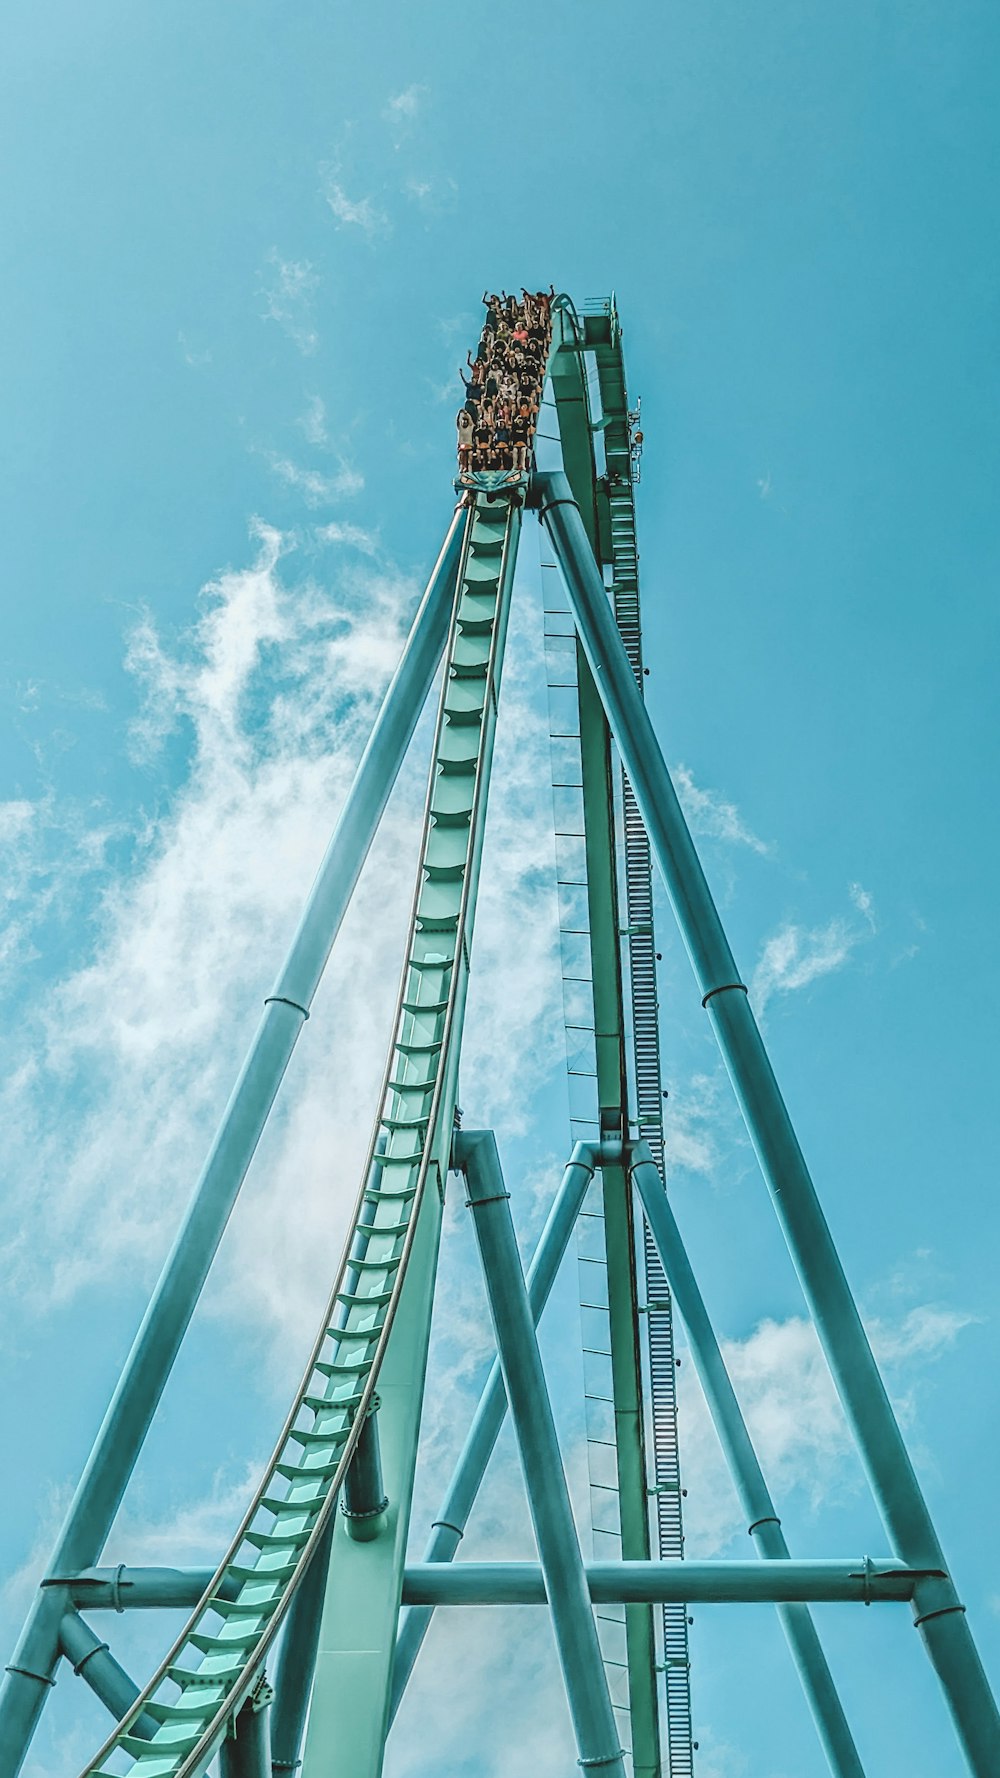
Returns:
(703, 1583)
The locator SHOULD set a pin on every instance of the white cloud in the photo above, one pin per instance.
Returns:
(17, 816)
(924, 1332)
(433, 196)
(362, 213)
(193, 1533)
(289, 291)
(711, 814)
(796, 956)
(794, 1415)
(316, 488)
(405, 104)
(45, 850)
(355, 536)
(193, 355)
(864, 902)
(692, 1118)
(133, 1051)
(313, 421)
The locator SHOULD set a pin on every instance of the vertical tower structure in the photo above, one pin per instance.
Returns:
(299, 1645)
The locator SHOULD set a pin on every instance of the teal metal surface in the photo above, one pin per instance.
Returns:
(137, 1589)
(348, 1712)
(449, 1526)
(620, 551)
(93, 1660)
(620, 1325)
(365, 1499)
(216, 1661)
(246, 1750)
(349, 1717)
(860, 1581)
(763, 1523)
(296, 1661)
(548, 1495)
(294, 1580)
(938, 1612)
(148, 1366)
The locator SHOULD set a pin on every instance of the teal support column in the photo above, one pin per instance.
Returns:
(365, 1499)
(762, 1520)
(541, 1460)
(449, 1526)
(93, 1661)
(938, 1611)
(348, 1717)
(296, 1662)
(246, 1750)
(149, 1363)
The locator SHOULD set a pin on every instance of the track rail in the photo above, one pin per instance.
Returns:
(602, 334)
(219, 1656)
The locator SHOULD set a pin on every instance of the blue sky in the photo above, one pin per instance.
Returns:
(244, 248)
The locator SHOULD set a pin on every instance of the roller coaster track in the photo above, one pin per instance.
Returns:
(624, 557)
(376, 1325)
(219, 1656)
(598, 334)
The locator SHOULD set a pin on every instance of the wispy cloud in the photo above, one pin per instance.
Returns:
(691, 1123)
(288, 290)
(316, 487)
(864, 902)
(355, 536)
(362, 213)
(47, 851)
(794, 1414)
(796, 956)
(433, 196)
(312, 423)
(133, 1050)
(712, 814)
(193, 355)
(405, 104)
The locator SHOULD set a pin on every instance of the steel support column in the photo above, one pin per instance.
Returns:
(149, 1363)
(296, 1662)
(93, 1661)
(938, 1612)
(246, 1751)
(348, 1717)
(762, 1519)
(449, 1526)
(541, 1460)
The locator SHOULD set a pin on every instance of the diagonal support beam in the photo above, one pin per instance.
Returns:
(938, 1612)
(150, 1361)
(296, 1663)
(541, 1461)
(449, 1526)
(764, 1524)
(93, 1661)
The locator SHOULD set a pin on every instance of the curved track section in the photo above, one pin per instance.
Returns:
(219, 1656)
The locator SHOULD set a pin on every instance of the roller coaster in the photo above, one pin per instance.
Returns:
(299, 1645)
